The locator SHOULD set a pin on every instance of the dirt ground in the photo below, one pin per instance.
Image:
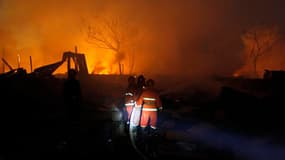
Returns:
(196, 123)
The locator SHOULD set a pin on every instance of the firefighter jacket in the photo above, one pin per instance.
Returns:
(130, 96)
(129, 100)
(150, 100)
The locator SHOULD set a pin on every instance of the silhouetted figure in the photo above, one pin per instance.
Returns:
(150, 102)
(72, 97)
(267, 74)
(140, 85)
(129, 97)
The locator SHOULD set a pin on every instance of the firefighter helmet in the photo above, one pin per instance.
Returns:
(131, 80)
(141, 80)
(150, 83)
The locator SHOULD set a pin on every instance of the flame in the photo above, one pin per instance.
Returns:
(247, 71)
(236, 74)
(47, 38)
(102, 68)
(273, 61)
(99, 61)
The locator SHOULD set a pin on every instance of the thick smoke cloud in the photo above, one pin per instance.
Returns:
(193, 37)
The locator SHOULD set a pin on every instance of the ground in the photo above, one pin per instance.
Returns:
(196, 123)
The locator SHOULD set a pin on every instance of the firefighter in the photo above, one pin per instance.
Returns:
(130, 96)
(141, 84)
(150, 102)
(141, 81)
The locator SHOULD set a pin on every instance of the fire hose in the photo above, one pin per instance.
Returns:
(133, 130)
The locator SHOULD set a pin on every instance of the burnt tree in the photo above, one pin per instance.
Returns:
(116, 35)
(258, 41)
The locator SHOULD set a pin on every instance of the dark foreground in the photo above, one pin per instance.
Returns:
(231, 125)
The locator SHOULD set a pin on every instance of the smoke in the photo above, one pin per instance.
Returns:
(240, 146)
(193, 38)
(43, 29)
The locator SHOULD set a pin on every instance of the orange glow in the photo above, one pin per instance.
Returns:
(47, 36)
(99, 61)
(102, 68)
(260, 51)
(236, 74)
(273, 60)
(156, 43)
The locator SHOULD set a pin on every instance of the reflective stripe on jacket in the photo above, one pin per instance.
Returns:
(150, 100)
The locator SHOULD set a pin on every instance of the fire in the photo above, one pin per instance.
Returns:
(236, 75)
(45, 38)
(99, 61)
(246, 71)
(102, 68)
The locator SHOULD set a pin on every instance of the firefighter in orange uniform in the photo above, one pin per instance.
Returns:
(150, 102)
(130, 96)
(141, 84)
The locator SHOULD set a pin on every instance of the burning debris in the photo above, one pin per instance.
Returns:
(77, 59)
(181, 50)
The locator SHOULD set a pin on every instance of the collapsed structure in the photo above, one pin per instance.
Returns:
(78, 59)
